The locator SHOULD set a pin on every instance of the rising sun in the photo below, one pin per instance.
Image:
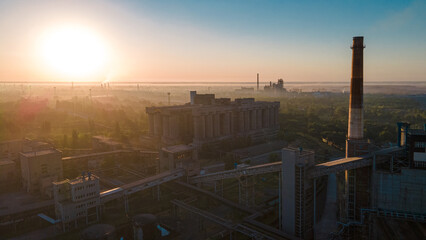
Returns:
(73, 51)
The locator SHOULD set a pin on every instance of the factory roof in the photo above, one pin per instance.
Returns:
(12, 141)
(177, 148)
(40, 152)
(82, 179)
(6, 162)
(219, 102)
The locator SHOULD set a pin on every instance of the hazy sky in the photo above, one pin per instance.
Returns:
(221, 40)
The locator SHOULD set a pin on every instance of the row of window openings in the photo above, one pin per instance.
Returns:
(82, 187)
(86, 195)
(88, 204)
(420, 144)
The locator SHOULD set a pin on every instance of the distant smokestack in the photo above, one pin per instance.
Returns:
(356, 115)
(258, 82)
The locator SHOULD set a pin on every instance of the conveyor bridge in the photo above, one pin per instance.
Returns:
(319, 170)
(253, 234)
(140, 185)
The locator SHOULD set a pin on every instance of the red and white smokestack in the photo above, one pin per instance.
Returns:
(356, 114)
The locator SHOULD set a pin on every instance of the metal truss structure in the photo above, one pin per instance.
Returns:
(249, 171)
(343, 164)
(251, 233)
(140, 185)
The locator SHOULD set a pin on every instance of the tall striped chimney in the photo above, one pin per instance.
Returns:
(356, 115)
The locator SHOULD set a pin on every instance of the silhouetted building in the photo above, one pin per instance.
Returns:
(276, 87)
(209, 120)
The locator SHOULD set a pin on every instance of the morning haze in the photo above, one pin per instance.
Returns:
(212, 120)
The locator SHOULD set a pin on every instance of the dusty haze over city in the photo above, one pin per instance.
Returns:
(226, 119)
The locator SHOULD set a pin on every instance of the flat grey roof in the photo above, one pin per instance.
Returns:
(40, 153)
(177, 148)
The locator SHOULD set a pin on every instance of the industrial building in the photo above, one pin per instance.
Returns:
(415, 145)
(275, 87)
(297, 193)
(77, 201)
(373, 185)
(393, 184)
(7, 173)
(209, 120)
(180, 156)
(10, 150)
(10, 163)
(39, 169)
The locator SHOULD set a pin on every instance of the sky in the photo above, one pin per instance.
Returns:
(222, 40)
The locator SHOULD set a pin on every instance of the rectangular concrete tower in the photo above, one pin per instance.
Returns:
(356, 115)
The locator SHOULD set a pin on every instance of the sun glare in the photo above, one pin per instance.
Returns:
(73, 51)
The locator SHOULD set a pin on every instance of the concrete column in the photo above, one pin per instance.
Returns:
(259, 118)
(247, 120)
(166, 126)
(202, 127)
(158, 127)
(216, 124)
(151, 124)
(173, 126)
(197, 128)
(227, 124)
(232, 120)
(241, 121)
(265, 114)
(271, 117)
(277, 114)
(253, 119)
(189, 122)
(209, 126)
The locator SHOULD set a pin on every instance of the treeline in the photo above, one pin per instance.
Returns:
(72, 123)
(326, 118)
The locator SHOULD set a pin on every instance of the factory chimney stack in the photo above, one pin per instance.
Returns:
(356, 115)
(258, 82)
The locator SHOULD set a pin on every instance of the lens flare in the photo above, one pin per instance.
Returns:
(73, 51)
